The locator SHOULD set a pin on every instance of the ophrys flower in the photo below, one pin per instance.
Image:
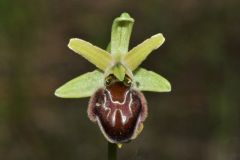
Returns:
(116, 103)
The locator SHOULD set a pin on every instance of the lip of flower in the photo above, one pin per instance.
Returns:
(119, 111)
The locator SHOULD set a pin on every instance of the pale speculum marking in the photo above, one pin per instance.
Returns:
(124, 107)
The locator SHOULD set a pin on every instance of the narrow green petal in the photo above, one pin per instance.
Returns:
(150, 81)
(82, 86)
(119, 72)
(139, 53)
(97, 56)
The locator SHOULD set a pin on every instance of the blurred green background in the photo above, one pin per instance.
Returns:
(198, 120)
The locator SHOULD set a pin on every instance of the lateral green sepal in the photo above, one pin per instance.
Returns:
(82, 86)
(150, 81)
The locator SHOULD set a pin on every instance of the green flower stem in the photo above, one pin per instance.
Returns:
(112, 151)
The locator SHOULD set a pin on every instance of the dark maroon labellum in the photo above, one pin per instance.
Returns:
(119, 111)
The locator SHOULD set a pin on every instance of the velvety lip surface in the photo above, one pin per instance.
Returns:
(118, 108)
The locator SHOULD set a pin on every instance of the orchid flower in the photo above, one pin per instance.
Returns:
(117, 103)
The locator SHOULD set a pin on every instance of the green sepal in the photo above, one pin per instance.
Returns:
(139, 53)
(150, 81)
(120, 36)
(97, 56)
(83, 86)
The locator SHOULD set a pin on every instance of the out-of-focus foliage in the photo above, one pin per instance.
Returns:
(198, 120)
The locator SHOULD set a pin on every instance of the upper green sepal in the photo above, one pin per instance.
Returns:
(120, 36)
(150, 81)
(83, 86)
